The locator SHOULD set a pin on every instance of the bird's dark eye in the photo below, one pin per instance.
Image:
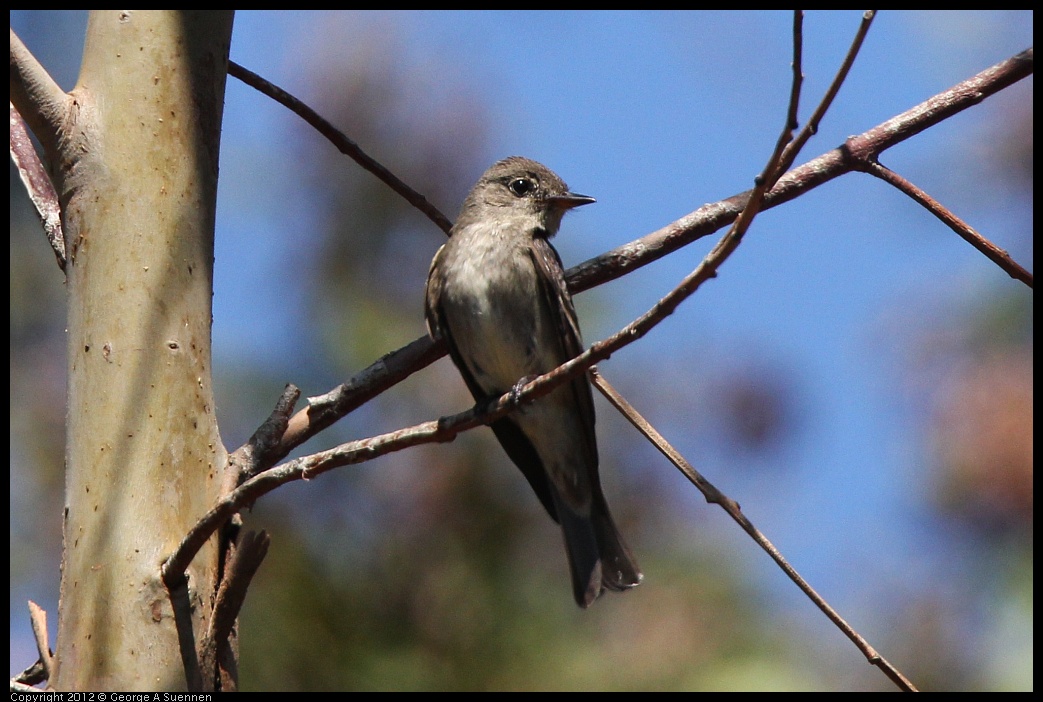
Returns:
(521, 186)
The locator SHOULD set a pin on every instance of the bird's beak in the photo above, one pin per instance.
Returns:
(570, 200)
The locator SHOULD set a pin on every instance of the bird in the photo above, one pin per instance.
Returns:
(496, 294)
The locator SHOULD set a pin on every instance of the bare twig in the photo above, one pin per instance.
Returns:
(181, 602)
(33, 675)
(994, 253)
(792, 114)
(388, 370)
(342, 142)
(37, 184)
(715, 496)
(39, 100)
(38, 619)
(811, 128)
(264, 447)
(242, 566)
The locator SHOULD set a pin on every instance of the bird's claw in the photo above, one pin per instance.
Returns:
(516, 391)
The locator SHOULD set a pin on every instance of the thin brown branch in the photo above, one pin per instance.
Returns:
(942, 106)
(797, 66)
(811, 128)
(181, 602)
(792, 114)
(388, 370)
(783, 145)
(713, 495)
(994, 253)
(263, 449)
(724, 248)
(728, 244)
(308, 467)
(731, 507)
(345, 145)
(242, 566)
(260, 451)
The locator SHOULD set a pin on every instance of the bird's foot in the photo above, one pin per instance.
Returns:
(516, 391)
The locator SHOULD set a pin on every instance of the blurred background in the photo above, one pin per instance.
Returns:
(857, 377)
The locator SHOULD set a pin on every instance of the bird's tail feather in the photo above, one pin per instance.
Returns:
(598, 557)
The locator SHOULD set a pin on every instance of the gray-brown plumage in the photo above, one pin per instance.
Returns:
(496, 293)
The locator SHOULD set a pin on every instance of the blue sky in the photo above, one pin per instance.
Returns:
(654, 114)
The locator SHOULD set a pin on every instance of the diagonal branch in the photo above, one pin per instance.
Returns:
(994, 253)
(246, 558)
(38, 618)
(343, 143)
(731, 507)
(37, 184)
(41, 102)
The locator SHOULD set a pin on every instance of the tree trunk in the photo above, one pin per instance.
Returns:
(134, 159)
